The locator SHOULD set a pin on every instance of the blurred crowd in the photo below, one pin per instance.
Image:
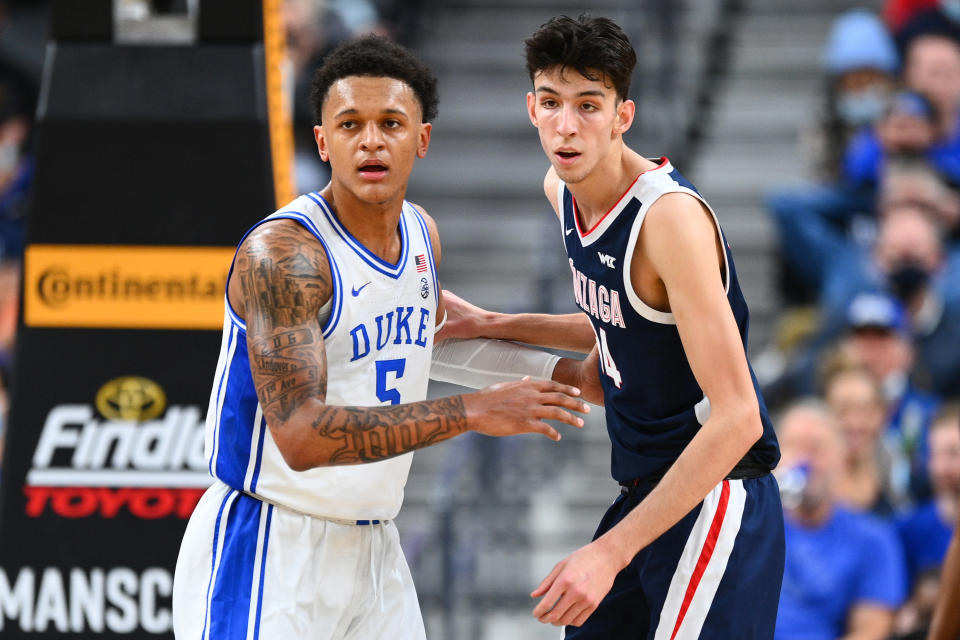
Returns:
(865, 368)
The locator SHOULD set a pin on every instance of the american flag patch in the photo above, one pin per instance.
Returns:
(421, 261)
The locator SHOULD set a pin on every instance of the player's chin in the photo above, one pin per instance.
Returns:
(571, 175)
(376, 192)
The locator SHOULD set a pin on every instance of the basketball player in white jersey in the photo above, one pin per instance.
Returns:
(318, 399)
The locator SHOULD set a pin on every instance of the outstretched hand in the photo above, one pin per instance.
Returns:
(511, 408)
(576, 586)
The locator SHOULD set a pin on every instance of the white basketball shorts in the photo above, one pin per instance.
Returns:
(248, 569)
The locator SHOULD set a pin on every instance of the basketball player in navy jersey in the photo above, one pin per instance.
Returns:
(319, 395)
(694, 545)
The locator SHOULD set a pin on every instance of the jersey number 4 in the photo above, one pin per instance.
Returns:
(396, 367)
(607, 365)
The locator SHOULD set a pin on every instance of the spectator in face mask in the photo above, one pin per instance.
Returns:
(909, 128)
(906, 261)
(860, 65)
(843, 574)
(911, 263)
(931, 69)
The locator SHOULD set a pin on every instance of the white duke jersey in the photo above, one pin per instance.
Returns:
(378, 338)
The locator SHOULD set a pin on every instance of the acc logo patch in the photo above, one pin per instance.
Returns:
(424, 288)
(131, 399)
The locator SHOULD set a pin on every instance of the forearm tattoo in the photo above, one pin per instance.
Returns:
(365, 435)
(285, 279)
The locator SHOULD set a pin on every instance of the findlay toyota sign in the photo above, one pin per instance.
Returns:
(105, 496)
(84, 465)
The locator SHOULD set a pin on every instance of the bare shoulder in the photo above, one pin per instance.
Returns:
(679, 238)
(551, 183)
(677, 219)
(281, 261)
(431, 229)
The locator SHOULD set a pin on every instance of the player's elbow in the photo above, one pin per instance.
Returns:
(748, 421)
(294, 451)
(743, 417)
(296, 460)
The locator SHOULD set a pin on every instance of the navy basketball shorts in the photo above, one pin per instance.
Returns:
(714, 575)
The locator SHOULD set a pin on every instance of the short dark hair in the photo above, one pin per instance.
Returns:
(588, 45)
(375, 56)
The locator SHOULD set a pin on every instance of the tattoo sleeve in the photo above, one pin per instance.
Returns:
(365, 435)
(285, 279)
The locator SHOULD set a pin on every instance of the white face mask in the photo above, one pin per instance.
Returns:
(859, 108)
(9, 157)
(951, 9)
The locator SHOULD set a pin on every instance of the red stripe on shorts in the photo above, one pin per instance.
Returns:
(705, 554)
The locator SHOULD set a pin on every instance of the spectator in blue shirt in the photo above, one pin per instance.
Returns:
(844, 572)
(909, 127)
(926, 530)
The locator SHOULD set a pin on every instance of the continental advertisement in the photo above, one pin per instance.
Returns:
(125, 287)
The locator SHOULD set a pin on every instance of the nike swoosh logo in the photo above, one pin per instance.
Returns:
(569, 231)
(356, 291)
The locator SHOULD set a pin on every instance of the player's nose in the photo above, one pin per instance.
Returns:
(372, 137)
(567, 126)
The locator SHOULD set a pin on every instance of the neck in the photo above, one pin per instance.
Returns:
(373, 224)
(599, 192)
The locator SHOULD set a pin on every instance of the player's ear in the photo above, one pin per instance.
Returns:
(321, 143)
(532, 108)
(423, 142)
(626, 110)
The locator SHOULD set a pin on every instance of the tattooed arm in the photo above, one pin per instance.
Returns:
(281, 280)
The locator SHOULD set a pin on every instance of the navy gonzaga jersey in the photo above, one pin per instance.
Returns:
(654, 405)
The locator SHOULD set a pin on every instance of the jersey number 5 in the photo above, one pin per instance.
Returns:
(607, 365)
(395, 366)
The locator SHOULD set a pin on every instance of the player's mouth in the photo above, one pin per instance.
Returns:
(373, 169)
(566, 156)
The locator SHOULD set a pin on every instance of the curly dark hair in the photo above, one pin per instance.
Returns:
(375, 56)
(589, 45)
